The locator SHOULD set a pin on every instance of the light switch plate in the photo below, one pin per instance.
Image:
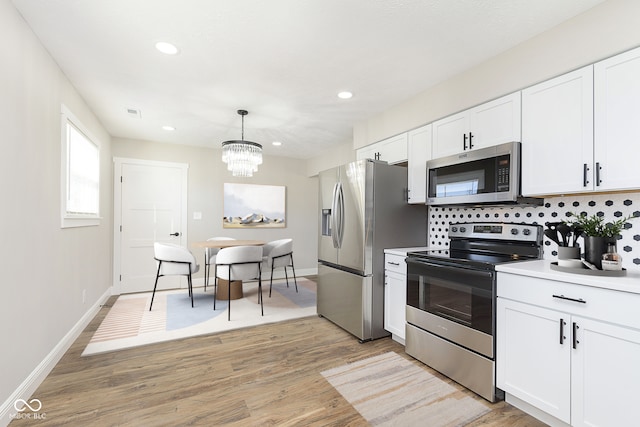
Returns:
(197, 215)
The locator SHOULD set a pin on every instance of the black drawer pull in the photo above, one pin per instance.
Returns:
(575, 335)
(393, 263)
(580, 300)
(562, 337)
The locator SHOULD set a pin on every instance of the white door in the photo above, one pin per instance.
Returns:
(605, 374)
(617, 108)
(149, 206)
(450, 135)
(557, 135)
(495, 122)
(419, 151)
(395, 303)
(533, 357)
(394, 150)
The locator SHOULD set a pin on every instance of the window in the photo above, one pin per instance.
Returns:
(80, 178)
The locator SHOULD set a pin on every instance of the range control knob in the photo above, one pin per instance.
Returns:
(463, 229)
(454, 229)
(514, 231)
(526, 231)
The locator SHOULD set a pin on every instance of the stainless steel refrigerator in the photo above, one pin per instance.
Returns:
(363, 210)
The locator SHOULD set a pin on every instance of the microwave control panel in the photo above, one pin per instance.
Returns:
(503, 171)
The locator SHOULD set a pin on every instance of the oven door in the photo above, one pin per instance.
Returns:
(452, 301)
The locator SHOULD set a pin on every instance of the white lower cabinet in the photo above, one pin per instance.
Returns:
(561, 353)
(395, 296)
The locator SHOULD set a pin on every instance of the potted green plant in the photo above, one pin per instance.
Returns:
(597, 234)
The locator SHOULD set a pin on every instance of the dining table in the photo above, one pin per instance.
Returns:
(234, 291)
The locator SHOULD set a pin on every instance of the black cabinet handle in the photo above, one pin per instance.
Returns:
(174, 234)
(464, 141)
(598, 174)
(585, 169)
(470, 140)
(562, 337)
(575, 335)
(393, 263)
(580, 300)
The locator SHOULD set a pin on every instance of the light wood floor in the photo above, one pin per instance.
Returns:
(263, 376)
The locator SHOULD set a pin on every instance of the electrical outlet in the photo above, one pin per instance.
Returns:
(197, 215)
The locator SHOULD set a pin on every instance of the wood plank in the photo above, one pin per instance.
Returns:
(266, 375)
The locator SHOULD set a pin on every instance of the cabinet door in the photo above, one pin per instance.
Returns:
(495, 122)
(532, 364)
(393, 150)
(557, 135)
(395, 301)
(605, 375)
(617, 134)
(449, 135)
(368, 152)
(419, 151)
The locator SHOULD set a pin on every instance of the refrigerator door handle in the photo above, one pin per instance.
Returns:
(334, 216)
(340, 215)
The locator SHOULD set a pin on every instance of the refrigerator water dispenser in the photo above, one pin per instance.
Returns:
(326, 222)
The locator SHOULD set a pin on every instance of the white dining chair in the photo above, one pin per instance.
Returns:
(238, 263)
(210, 259)
(276, 254)
(174, 260)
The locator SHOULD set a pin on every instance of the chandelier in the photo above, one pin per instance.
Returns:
(242, 157)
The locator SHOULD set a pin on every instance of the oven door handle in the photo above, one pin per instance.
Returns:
(448, 265)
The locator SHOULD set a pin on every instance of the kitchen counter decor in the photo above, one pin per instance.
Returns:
(588, 271)
(599, 236)
(566, 237)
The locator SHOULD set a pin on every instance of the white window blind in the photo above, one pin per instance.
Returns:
(80, 174)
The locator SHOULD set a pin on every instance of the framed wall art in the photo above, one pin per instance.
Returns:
(254, 206)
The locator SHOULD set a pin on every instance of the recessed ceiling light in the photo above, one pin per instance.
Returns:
(276, 143)
(167, 127)
(345, 95)
(167, 48)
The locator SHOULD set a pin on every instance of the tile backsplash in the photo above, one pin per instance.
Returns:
(611, 206)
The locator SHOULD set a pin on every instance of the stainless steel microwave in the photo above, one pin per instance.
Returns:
(485, 176)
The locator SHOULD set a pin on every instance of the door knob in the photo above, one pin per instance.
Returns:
(174, 234)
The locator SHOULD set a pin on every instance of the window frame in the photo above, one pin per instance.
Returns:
(69, 219)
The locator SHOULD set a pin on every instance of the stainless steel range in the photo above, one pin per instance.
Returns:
(451, 299)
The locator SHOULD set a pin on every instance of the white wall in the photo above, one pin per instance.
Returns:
(336, 156)
(44, 268)
(603, 31)
(207, 174)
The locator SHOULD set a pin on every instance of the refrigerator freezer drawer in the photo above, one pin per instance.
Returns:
(344, 298)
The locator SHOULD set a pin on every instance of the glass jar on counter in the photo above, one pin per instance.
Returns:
(611, 260)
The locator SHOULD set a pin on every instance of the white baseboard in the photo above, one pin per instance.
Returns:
(38, 375)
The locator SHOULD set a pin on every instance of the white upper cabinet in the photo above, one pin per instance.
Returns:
(391, 150)
(491, 123)
(419, 148)
(617, 132)
(557, 135)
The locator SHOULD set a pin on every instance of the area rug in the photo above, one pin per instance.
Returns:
(389, 390)
(129, 322)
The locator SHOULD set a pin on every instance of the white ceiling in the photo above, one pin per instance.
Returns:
(282, 60)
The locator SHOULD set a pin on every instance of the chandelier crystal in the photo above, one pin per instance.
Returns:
(242, 157)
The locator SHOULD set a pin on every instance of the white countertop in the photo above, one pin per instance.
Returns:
(403, 251)
(541, 269)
